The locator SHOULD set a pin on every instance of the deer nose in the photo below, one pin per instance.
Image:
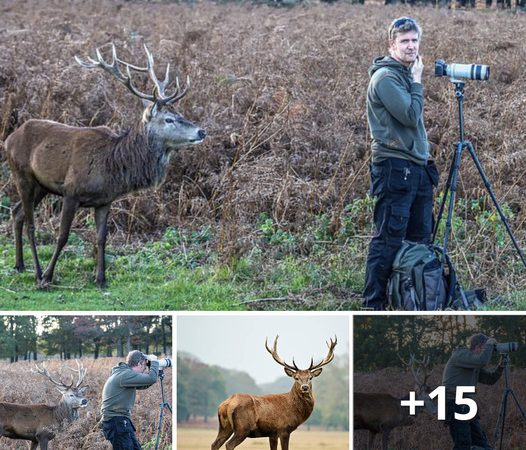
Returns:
(304, 387)
(84, 402)
(201, 133)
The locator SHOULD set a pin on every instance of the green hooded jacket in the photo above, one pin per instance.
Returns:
(118, 395)
(395, 113)
(465, 368)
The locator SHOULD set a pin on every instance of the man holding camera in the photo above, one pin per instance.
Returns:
(402, 176)
(465, 367)
(118, 398)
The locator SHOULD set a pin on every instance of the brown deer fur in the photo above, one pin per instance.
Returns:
(274, 416)
(91, 167)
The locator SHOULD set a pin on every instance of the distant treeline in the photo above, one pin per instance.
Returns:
(379, 340)
(201, 388)
(26, 337)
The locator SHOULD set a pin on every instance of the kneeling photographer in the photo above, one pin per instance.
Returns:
(140, 371)
(466, 367)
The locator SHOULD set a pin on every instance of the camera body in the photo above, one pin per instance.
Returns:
(507, 347)
(470, 71)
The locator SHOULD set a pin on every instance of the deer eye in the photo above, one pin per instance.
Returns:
(169, 120)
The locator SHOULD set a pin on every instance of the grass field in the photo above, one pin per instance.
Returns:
(196, 438)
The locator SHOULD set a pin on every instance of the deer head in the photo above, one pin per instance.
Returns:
(169, 127)
(421, 370)
(72, 393)
(302, 377)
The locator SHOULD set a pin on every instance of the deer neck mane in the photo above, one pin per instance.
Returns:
(303, 402)
(64, 415)
(138, 160)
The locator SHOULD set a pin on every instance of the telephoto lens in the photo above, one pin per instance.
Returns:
(506, 347)
(165, 362)
(470, 71)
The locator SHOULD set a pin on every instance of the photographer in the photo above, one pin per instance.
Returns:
(402, 177)
(465, 367)
(118, 398)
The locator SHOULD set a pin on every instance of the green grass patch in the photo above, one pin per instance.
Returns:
(320, 268)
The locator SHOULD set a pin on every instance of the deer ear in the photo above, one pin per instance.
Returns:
(289, 372)
(150, 110)
(316, 372)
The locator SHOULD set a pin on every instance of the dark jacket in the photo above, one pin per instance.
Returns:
(395, 113)
(118, 395)
(465, 368)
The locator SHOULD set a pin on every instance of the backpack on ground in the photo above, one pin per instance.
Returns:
(419, 281)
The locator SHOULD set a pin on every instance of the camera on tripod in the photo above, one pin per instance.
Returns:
(163, 363)
(470, 71)
(506, 347)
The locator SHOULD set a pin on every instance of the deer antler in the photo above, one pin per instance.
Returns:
(43, 371)
(422, 368)
(328, 358)
(159, 97)
(81, 373)
(277, 358)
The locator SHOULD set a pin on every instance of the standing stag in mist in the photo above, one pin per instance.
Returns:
(92, 166)
(381, 413)
(273, 416)
(37, 423)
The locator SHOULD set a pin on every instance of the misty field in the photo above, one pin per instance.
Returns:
(19, 385)
(199, 438)
(274, 203)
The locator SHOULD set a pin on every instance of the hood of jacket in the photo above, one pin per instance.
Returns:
(388, 61)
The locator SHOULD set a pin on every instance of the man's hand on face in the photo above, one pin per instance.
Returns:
(416, 69)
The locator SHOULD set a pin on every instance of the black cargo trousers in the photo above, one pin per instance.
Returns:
(403, 210)
(121, 433)
(465, 433)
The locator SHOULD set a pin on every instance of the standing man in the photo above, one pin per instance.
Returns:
(402, 177)
(465, 367)
(118, 398)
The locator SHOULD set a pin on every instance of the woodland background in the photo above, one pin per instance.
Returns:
(56, 339)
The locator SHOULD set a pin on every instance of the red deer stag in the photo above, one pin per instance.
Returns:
(36, 423)
(92, 166)
(381, 413)
(273, 416)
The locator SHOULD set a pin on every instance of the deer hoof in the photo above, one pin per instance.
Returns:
(44, 284)
(20, 268)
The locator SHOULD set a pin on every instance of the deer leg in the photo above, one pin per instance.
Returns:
(69, 207)
(18, 227)
(222, 436)
(284, 439)
(385, 439)
(372, 437)
(235, 441)
(101, 221)
(34, 445)
(27, 197)
(273, 441)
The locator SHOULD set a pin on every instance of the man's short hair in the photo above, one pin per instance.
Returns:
(403, 25)
(476, 340)
(134, 358)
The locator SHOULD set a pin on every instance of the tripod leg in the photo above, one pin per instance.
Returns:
(159, 427)
(494, 199)
(453, 188)
(444, 199)
(523, 414)
(499, 428)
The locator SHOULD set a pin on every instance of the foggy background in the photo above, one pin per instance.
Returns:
(238, 341)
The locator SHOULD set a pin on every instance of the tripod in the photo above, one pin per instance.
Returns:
(451, 187)
(164, 404)
(499, 428)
